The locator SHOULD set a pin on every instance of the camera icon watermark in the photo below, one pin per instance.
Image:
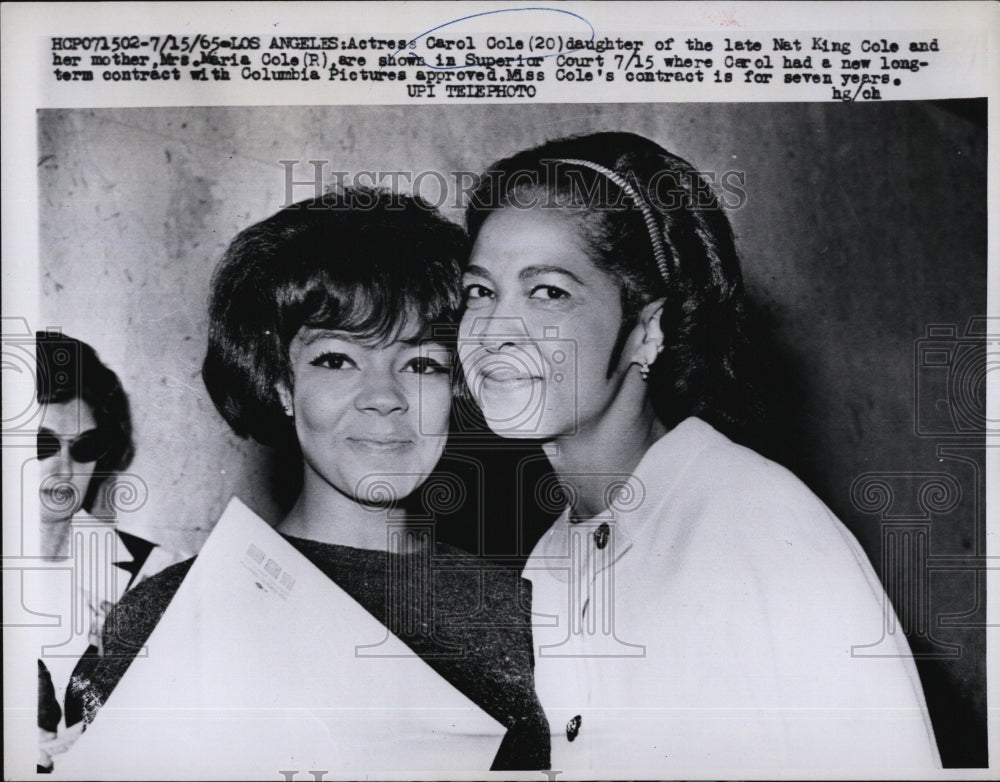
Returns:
(952, 368)
(36, 366)
(524, 387)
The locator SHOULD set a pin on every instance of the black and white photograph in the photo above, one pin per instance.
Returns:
(542, 434)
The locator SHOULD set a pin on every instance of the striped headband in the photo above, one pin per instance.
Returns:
(659, 254)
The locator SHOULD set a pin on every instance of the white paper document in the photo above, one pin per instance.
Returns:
(254, 667)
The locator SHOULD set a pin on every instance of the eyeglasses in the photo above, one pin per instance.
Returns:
(86, 447)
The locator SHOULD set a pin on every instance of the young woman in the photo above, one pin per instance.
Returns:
(696, 605)
(332, 331)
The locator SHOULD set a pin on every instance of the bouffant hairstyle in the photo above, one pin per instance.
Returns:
(653, 207)
(379, 266)
(68, 370)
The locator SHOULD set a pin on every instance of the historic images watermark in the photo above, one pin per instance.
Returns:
(952, 365)
(667, 190)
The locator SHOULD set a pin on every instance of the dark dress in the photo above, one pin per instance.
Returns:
(466, 618)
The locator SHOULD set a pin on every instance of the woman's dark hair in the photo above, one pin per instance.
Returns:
(703, 314)
(66, 370)
(380, 266)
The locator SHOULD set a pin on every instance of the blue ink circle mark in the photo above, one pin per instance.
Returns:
(412, 41)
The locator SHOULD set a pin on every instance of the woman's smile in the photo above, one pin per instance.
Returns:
(381, 444)
(508, 379)
(502, 373)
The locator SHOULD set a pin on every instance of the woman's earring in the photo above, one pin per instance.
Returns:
(285, 408)
(644, 370)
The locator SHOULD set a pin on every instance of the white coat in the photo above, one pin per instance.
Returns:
(717, 620)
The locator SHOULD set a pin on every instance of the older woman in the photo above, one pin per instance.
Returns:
(700, 604)
(332, 328)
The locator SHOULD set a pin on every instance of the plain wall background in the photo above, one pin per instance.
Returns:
(864, 224)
